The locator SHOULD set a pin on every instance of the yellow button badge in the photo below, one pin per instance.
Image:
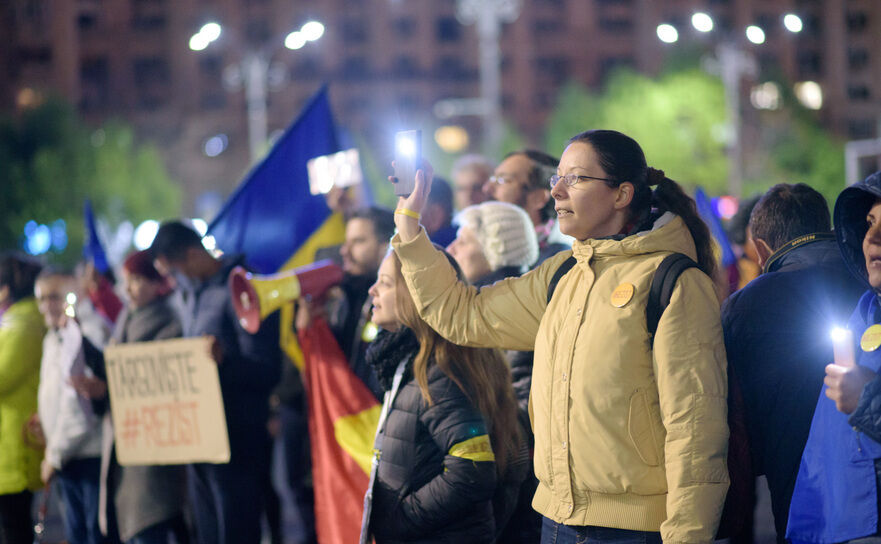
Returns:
(622, 295)
(871, 339)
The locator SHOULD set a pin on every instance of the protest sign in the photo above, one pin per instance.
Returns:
(166, 403)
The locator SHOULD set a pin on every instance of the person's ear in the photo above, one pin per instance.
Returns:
(624, 196)
(763, 251)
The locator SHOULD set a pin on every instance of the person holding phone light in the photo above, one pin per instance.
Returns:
(630, 430)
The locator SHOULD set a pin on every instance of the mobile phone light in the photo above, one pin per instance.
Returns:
(406, 147)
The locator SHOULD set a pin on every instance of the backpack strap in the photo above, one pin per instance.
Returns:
(564, 268)
(663, 283)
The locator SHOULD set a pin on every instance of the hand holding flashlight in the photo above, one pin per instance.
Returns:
(845, 385)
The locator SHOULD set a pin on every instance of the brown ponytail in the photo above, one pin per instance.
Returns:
(669, 197)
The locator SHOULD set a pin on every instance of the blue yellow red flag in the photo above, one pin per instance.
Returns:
(272, 214)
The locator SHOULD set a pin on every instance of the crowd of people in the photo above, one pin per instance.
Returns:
(554, 346)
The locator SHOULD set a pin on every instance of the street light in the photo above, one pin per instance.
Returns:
(734, 63)
(207, 34)
(702, 22)
(254, 72)
(755, 34)
(487, 16)
(793, 23)
(667, 33)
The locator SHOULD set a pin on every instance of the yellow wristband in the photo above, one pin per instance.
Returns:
(408, 213)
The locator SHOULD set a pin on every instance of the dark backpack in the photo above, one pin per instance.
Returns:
(661, 290)
(737, 512)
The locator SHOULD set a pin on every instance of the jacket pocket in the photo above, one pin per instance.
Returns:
(640, 429)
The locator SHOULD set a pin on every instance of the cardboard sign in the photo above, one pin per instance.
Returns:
(166, 404)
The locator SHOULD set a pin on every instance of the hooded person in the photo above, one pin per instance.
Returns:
(835, 498)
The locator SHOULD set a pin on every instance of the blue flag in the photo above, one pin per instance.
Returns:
(92, 248)
(712, 220)
(272, 213)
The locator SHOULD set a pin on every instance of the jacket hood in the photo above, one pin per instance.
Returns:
(850, 212)
(668, 234)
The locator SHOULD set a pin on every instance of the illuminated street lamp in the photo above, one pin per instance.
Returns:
(254, 72)
(734, 63)
(793, 23)
(667, 33)
(702, 22)
(755, 34)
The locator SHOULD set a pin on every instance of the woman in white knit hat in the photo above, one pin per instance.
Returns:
(496, 240)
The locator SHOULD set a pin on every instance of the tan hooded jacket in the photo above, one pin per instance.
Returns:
(625, 436)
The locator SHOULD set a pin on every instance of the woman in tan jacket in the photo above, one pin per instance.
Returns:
(630, 429)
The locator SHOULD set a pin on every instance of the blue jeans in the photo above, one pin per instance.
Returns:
(78, 483)
(557, 533)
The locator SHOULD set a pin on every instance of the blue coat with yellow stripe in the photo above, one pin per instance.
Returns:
(437, 473)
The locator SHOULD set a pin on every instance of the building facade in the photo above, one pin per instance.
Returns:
(389, 61)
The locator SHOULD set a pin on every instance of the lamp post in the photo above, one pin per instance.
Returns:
(254, 70)
(734, 63)
(488, 16)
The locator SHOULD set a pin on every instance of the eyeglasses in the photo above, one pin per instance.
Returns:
(571, 179)
(500, 180)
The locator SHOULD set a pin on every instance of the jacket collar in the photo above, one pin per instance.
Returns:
(802, 250)
(667, 234)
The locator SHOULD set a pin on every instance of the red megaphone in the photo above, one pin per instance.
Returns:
(256, 296)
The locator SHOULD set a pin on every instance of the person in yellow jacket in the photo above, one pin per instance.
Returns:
(21, 346)
(631, 434)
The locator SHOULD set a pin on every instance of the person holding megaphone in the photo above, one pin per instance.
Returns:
(226, 499)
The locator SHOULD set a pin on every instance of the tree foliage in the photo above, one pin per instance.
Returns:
(52, 162)
(678, 119)
(793, 148)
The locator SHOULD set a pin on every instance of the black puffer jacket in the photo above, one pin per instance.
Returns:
(516, 520)
(427, 489)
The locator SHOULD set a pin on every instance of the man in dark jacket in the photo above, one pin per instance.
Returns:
(226, 499)
(522, 179)
(368, 232)
(777, 331)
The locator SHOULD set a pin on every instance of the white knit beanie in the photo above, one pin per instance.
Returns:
(504, 230)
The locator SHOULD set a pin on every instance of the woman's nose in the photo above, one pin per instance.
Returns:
(558, 191)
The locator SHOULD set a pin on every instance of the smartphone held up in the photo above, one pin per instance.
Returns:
(408, 158)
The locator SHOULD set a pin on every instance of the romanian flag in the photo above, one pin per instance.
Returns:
(273, 218)
(343, 415)
(278, 224)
